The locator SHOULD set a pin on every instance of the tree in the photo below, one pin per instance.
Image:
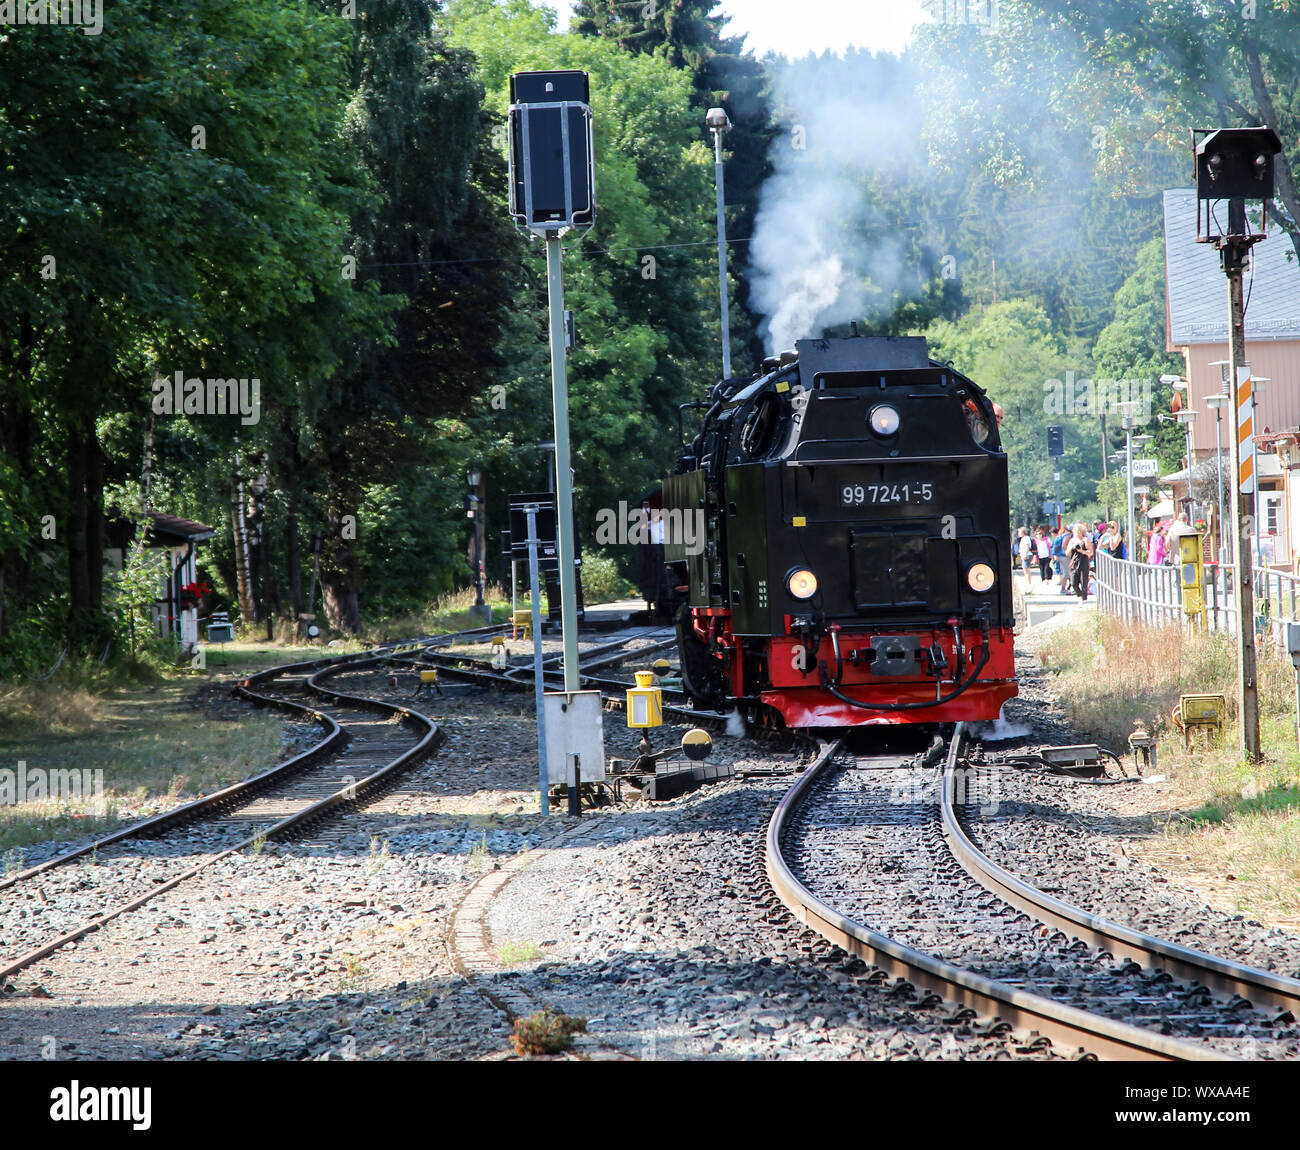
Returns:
(1225, 64)
(433, 245)
(174, 204)
(1014, 353)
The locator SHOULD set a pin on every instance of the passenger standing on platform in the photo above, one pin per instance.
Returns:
(1080, 551)
(1044, 548)
(1157, 549)
(1058, 558)
(1024, 551)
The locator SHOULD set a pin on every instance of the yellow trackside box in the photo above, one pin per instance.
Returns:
(1204, 711)
(1191, 574)
(1201, 710)
(428, 676)
(645, 703)
(521, 624)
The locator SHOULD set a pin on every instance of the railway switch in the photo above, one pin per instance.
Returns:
(1143, 745)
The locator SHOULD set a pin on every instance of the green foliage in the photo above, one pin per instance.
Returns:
(1020, 189)
(134, 588)
(601, 581)
(1012, 350)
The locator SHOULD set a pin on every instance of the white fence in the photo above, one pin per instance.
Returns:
(1154, 595)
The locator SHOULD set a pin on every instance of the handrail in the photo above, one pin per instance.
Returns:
(1149, 594)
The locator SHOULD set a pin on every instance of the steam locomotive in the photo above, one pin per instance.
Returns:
(838, 530)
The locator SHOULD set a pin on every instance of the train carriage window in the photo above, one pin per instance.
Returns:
(979, 426)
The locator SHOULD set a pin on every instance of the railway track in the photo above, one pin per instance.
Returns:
(872, 854)
(366, 746)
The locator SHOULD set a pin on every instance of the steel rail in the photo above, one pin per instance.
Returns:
(1066, 1025)
(351, 794)
(335, 739)
(1222, 975)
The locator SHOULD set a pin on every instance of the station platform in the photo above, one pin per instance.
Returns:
(1036, 602)
(620, 613)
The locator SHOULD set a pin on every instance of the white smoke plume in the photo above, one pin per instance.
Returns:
(824, 252)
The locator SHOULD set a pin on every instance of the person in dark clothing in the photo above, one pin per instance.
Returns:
(1080, 551)
(1058, 557)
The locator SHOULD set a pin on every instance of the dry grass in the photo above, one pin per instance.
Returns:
(546, 1032)
(151, 744)
(1239, 823)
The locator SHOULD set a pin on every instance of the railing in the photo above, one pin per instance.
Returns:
(1154, 595)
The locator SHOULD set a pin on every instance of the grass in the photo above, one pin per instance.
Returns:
(150, 743)
(448, 613)
(352, 975)
(1238, 823)
(513, 953)
(478, 856)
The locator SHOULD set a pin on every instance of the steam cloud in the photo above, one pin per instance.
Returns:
(823, 252)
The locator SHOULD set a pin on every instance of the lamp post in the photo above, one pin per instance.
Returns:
(476, 502)
(1217, 403)
(548, 446)
(1187, 418)
(717, 122)
(1128, 407)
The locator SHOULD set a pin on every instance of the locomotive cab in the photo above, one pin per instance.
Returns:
(851, 566)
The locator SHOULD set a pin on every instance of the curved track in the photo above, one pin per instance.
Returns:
(828, 812)
(366, 745)
(1261, 988)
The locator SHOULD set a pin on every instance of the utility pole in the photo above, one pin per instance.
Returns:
(1236, 164)
(717, 122)
(1234, 259)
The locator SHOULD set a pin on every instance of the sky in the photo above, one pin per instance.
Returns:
(814, 25)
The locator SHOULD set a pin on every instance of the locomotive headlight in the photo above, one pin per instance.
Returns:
(980, 577)
(884, 419)
(801, 583)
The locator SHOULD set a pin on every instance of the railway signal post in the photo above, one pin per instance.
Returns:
(553, 192)
(1236, 164)
(534, 583)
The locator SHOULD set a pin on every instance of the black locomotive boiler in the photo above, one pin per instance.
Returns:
(848, 561)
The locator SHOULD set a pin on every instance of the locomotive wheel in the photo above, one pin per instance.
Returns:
(702, 674)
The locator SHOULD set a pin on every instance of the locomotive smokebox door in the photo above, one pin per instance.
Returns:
(552, 176)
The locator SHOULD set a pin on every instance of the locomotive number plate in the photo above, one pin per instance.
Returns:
(861, 494)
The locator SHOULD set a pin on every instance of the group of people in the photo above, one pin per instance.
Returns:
(1070, 550)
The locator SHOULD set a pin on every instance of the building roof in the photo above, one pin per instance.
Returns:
(1197, 288)
(173, 526)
